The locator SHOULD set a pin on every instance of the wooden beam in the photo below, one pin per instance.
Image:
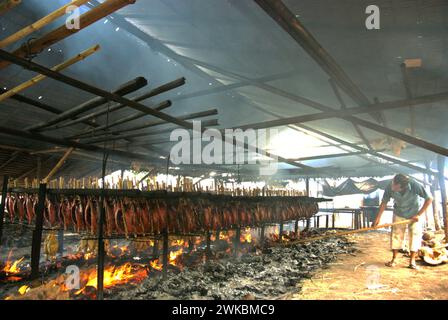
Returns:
(206, 123)
(149, 124)
(12, 158)
(281, 14)
(192, 65)
(153, 92)
(328, 156)
(27, 84)
(85, 20)
(58, 165)
(68, 143)
(344, 106)
(159, 107)
(117, 98)
(40, 23)
(6, 5)
(124, 89)
(347, 115)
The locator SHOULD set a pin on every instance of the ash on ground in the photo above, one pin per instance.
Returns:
(269, 274)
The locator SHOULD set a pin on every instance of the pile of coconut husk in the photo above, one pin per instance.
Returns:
(433, 251)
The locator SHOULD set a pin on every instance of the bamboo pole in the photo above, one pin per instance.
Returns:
(345, 233)
(40, 23)
(58, 165)
(40, 77)
(104, 9)
(7, 5)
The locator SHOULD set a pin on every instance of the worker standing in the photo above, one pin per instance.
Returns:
(405, 192)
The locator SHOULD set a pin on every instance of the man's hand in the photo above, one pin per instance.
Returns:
(416, 218)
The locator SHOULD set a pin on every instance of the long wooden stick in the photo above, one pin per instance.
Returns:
(339, 234)
(58, 165)
(6, 5)
(85, 20)
(40, 23)
(40, 77)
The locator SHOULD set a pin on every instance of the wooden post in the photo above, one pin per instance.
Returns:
(165, 254)
(280, 232)
(307, 186)
(432, 189)
(296, 228)
(6, 5)
(155, 249)
(236, 242)
(37, 232)
(2, 204)
(40, 23)
(101, 250)
(327, 221)
(208, 251)
(59, 67)
(441, 169)
(61, 242)
(333, 220)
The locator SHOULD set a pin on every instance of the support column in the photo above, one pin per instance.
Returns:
(37, 232)
(236, 242)
(296, 229)
(208, 250)
(2, 204)
(165, 254)
(441, 169)
(262, 236)
(435, 210)
(280, 232)
(101, 251)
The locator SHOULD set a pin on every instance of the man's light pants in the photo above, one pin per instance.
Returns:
(398, 235)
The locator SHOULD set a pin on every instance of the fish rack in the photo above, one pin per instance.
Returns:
(248, 203)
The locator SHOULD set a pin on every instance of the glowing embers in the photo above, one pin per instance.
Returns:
(12, 268)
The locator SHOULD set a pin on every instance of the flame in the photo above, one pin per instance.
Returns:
(223, 236)
(156, 265)
(246, 236)
(178, 243)
(23, 289)
(173, 256)
(114, 276)
(88, 255)
(12, 268)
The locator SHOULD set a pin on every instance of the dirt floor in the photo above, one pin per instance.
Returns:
(363, 276)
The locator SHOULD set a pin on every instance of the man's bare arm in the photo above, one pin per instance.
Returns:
(380, 213)
(425, 206)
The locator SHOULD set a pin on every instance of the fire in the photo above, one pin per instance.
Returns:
(223, 236)
(246, 236)
(156, 265)
(24, 289)
(12, 268)
(114, 276)
(174, 255)
(88, 255)
(179, 243)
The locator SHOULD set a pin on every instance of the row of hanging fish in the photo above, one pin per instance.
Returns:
(138, 216)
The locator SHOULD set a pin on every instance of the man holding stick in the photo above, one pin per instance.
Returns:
(405, 192)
